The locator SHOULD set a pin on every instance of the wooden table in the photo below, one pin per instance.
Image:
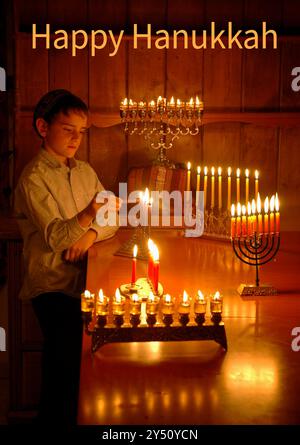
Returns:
(256, 381)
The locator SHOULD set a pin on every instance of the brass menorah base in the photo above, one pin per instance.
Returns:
(142, 287)
(248, 290)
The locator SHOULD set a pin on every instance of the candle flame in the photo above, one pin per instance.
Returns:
(167, 298)
(217, 295)
(276, 203)
(197, 100)
(256, 174)
(243, 210)
(200, 295)
(135, 250)
(87, 294)
(188, 165)
(135, 298)
(205, 171)
(150, 245)
(272, 203)
(253, 206)
(266, 205)
(219, 171)
(185, 297)
(178, 102)
(198, 169)
(238, 173)
(232, 210)
(101, 296)
(258, 203)
(239, 209)
(130, 102)
(118, 296)
(159, 99)
(213, 171)
(249, 209)
(151, 297)
(125, 101)
(172, 101)
(229, 171)
(146, 196)
(155, 253)
(152, 103)
(247, 173)
(191, 101)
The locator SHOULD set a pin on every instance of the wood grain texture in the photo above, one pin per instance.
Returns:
(257, 11)
(189, 16)
(290, 15)
(29, 12)
(110, 14)
(66, 16)
(221, 12)
(143, 12)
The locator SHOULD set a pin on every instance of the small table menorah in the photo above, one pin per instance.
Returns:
(256, 251)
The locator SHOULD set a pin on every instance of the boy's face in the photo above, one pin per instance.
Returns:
(63, 135)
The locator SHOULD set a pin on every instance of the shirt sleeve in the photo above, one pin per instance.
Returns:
(36, 203)
(102, 232)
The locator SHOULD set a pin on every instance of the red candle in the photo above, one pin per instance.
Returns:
(244, 221)
(238, 219)
(233, 221)
(133, 273)
(272, 204)
(155, 267)
(249, 218)
(266, 215)
(150, 261)
(277, 214)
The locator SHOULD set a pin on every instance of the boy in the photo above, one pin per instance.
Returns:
(56, 202)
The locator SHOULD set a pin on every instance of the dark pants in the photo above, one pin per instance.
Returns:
(60, 319)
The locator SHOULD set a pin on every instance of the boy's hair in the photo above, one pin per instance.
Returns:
(54, 102)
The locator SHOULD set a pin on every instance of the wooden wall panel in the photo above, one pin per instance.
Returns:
(290, 15)
(27, 144)
(29, 12)
(261, 87)
(31, 72)
(147, 11)
(259, 150)
(221, 145)
(289, 178)
(189, 15)
(109, 14)
(257, 11)
(67, 15)
(222, 79)
(289, 100)
(221, 12)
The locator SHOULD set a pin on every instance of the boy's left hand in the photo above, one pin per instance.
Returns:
(79, 249)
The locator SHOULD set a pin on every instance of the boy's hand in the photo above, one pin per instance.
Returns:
(79, 249)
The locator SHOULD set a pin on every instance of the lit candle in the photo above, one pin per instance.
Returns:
(124, 105)
(118, 304)
(233, 221)
(155, 267)
(244, 221)
(101, 304)
(220, 187)
(247, 184)
(272, 205)
(212, 201)
(151, 106)
(205, 186)
(133, 273)
(184, 306)
(188, 185)
(238, 219)
(190, 104)
(254, 222)
(249, 218)
(150, 261)
(256, 174)
(259, 217)
(87, 301)
(238, 185)
(168, 305)
(216, 303)
(152, 304)
(198, 178)
(135, 305)
(229, 188)
(266, 215)
(198, 103)
(200, 303)
(172, 103)
(277, 215)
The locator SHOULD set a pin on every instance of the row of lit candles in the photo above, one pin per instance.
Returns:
(161, 103)
(219, 171)
(152, 304)
(245, 221)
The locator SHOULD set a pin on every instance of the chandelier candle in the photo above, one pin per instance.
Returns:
(238, 185)
(216, 304)
(247, 185)
(118, 304)
(229, 188)
(200, 304)
(272, 205)
(205, 186)
(150, 261)
(102, 304)
(277, 215)
(188, 185)
(220, 187)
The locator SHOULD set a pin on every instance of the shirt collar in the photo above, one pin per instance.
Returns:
(55, 162)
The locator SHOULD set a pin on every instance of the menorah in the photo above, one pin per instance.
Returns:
(155, 121)
(256, 243)
(157, 319)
